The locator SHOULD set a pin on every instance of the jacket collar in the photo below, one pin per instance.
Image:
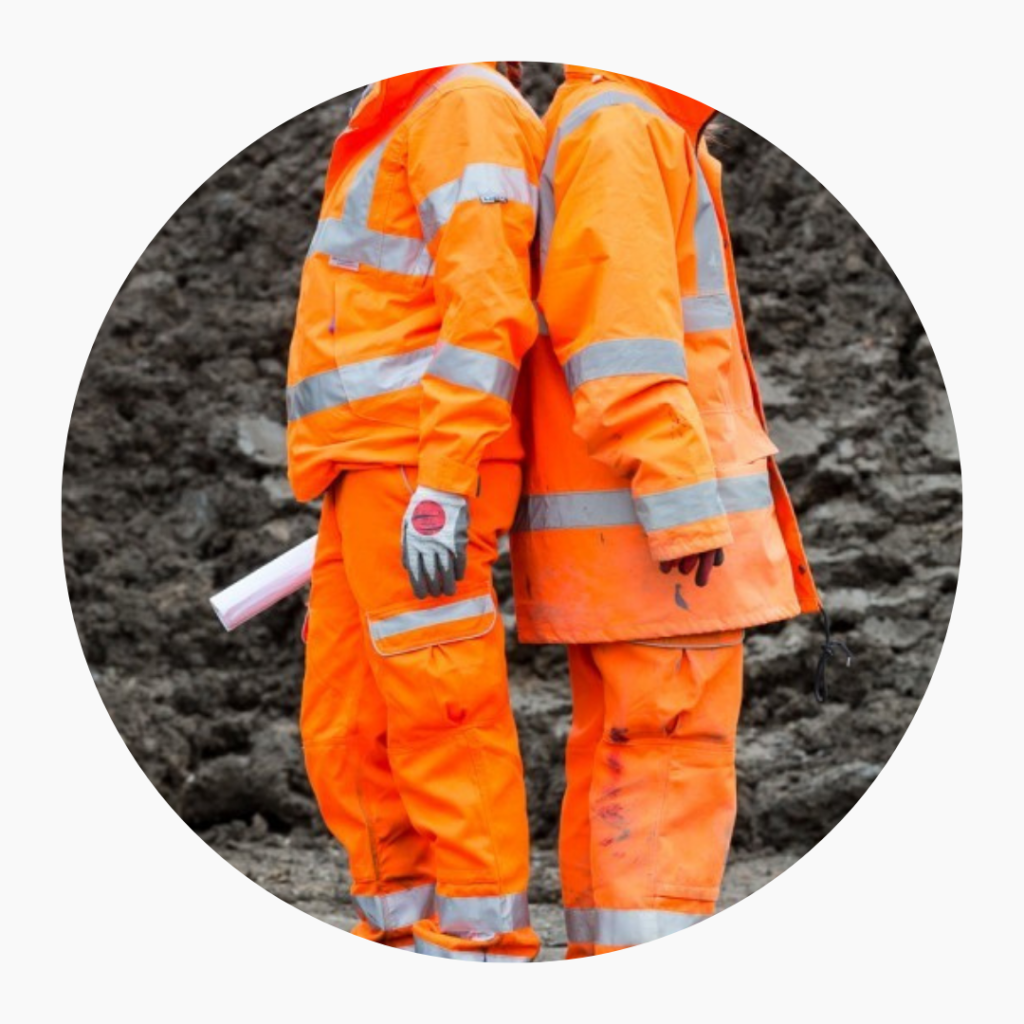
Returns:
(391, 96)
(690, 113)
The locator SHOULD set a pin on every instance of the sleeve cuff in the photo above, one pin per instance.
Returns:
(447, 475)
(692, 539)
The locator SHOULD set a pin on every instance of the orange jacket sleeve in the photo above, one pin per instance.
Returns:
(474, 164)
(610, 294)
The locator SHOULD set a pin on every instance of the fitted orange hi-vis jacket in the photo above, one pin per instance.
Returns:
(415, 311)
(645, 434)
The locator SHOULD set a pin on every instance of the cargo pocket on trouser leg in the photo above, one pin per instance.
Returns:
(650, 795)
(699, 807)
(440, 666)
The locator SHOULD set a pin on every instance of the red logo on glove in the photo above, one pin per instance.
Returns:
(428, 518)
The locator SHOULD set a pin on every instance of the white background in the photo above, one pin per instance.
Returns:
(113, 115)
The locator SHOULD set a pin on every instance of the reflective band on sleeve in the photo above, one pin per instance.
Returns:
(707, 313)
(478, 181)
(472, 369)
(632, 927)
(470, 916)
(396, 910)
(680, 506)
(746, 493)
(606, 98)
(574, 510)
(367, 379)
(381, 629)
(346, 242)
(626, 356)
(481, 956)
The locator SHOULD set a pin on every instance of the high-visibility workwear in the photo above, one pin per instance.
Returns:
(646, 447)
(407, 727)
(415, 309)
(644, 429)
(434, 536)
(650, 789)
(415, 312)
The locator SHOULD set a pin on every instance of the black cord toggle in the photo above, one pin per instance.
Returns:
(828, 651)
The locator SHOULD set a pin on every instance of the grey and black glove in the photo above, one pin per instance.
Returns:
(435, 534)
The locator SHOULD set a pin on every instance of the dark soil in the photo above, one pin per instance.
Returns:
(174, 487)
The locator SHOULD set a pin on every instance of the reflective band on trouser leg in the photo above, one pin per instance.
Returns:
(481, 182)
(396, 910)
(573, 510)
(607, 98)
(481, 956)
(660, 356)
(472, 369)
(366, 379)
(629, 927)
(479, 916)
(407, 622)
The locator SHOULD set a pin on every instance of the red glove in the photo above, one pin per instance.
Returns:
(703, 563)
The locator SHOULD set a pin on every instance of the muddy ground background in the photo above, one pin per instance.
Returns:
(174, 486)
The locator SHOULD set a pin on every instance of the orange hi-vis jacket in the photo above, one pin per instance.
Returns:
(415, 308)
(644, 430)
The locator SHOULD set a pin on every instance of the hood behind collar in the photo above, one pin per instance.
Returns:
(690, 113)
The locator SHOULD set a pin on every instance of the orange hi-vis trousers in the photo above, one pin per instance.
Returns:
(407, 727)
(650, 800)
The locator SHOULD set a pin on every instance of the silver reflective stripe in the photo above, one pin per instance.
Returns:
(575, 509)
(746, 493)
(481, 956)
(439, 615)
(607, 98)
(474, 369)
(481, 182)
(632, 927)
(488, 74)
(367, 379)
(346, 242)
(469, 916)
(572, 510)
(601, 359)
(707, 313)
(680, 506)
(400, 909)
(580, 924)
(542, 322)
(708, 241)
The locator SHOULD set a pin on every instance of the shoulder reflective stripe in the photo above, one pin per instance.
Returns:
(680, 506)
(606, 98)
(626, 356)
(395, 910)
(574, 509)
(632, 927)
(439, 615)
(707, 313)
(474, 369)
(489, 75)
(481, 956)
(477, 181)
(746, 493)
(467, 916)
(366, 379)
(580, 924)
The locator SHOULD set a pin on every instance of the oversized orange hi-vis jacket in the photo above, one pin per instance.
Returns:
(415, 308)
(645, 434)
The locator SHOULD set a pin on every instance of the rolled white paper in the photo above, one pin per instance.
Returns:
(256, 592)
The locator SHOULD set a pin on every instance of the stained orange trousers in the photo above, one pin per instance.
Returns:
(650, 800)
(407, 728)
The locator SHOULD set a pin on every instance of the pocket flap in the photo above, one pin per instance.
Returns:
(737, 437)
(420, 624)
